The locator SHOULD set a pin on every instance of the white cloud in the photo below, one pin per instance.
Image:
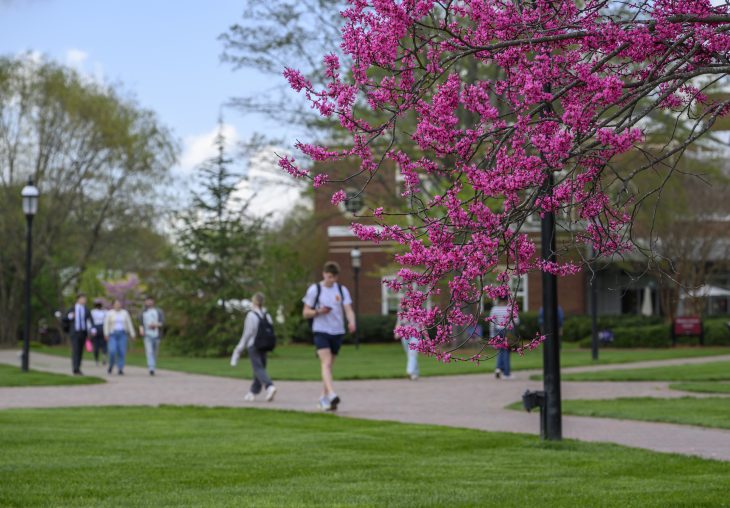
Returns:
(76, 58)
(201, 147)
(269, 190)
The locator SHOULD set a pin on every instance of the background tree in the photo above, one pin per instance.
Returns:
(97, 158)
(129, 290)
(576, 83)
(269, 37)
(219, 251)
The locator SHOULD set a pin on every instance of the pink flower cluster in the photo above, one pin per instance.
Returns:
(493, 98)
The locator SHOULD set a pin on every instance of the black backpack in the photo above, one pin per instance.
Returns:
(265, 339)
(66, 322)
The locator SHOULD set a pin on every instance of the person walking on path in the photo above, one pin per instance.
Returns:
(117, 329)
(151, 321)
(501, 324)
(251, 326)
(98, 313)
(78, 320)
(411, 354)
(327, 303)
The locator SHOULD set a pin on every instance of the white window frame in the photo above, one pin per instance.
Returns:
(518, 286)
(386, 293)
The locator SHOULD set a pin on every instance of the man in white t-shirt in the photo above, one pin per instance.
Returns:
(327, 303)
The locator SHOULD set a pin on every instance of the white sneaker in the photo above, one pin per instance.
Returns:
(507, 378)
(324, 404)
(498, 373)
(414, 377)
(249, 397)
(270, 392)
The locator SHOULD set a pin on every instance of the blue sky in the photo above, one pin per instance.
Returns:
(166, 54)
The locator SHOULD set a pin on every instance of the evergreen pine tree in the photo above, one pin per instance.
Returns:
(218, 253)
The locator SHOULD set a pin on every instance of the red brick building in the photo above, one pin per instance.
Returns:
(377, 260)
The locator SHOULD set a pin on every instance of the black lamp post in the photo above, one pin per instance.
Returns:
(29, 196)
(551, 350)
(356, 259)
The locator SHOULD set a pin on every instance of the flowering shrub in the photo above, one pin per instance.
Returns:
(508, 96)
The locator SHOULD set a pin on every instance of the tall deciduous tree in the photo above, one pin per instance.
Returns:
(97, 158)
(269, 36)
(574, 86)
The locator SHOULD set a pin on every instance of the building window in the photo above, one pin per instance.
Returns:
(518, 289)
(390, 300)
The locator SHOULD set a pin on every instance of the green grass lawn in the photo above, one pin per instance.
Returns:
(713, 371)
(705, 412)
(377, 361)
(190, 456)
(11, 376)
(702, 387)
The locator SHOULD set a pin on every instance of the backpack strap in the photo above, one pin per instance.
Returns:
(316, 298)
(342, 302)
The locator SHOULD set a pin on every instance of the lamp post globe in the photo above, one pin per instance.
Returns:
(356, 262)
(29, 196)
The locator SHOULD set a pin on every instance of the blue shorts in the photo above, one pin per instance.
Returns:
(327, 341)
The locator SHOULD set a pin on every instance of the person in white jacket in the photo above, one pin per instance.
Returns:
(117, 329)
(261, 378)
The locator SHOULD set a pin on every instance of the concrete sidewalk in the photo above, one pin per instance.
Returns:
(472, 401)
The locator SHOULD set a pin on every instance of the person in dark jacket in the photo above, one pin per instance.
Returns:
(78, 321)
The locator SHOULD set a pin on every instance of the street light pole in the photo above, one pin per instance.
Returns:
(594, 301)
(356, 259)
(551, 350)
(29, 196)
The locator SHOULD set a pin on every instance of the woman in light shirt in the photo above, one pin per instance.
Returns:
(117, 329)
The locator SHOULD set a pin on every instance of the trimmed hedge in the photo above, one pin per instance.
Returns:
(528, 327)
(717, 332)
(629, 331)
(654, 336)
(578, 327)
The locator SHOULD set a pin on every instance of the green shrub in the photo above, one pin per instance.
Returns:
(302, 333)
(376, 328)
(717, 332)
(576, 328)
(528, 327)
(659, 335)
(651, 336)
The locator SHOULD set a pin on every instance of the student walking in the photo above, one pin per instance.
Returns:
(258, 321)
(411, 354)
(501, 325)
(98, 313)
(327, 303)
(151, 321)
(118, 329)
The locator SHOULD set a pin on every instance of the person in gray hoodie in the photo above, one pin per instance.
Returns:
(261, 378)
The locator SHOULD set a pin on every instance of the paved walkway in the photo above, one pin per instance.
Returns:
(472, 401)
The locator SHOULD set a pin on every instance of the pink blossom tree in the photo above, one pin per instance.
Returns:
(562, 89)
(128, 290)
